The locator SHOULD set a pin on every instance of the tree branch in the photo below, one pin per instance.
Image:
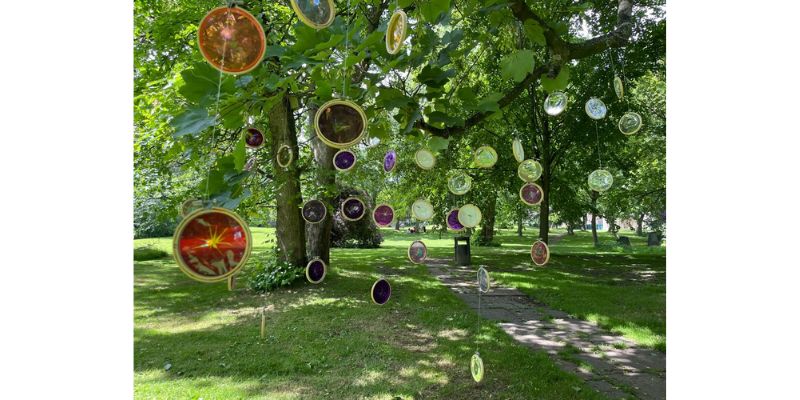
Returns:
(561, 49)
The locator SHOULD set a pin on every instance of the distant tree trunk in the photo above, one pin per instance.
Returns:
(594, 217)
(583, 223)
(318, 236)
(519, 221)
(639, 223)
(570, 229)
(289, 224)
(487, 220)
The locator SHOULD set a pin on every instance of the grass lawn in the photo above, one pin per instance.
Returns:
(622, 290)
(330, 341)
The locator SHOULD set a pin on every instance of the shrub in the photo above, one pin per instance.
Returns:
(270, 273)
(148, 253)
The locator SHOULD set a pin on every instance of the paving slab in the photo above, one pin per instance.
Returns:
(609, 363)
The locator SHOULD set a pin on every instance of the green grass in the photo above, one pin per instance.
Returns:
(330, 341)
(623, 290)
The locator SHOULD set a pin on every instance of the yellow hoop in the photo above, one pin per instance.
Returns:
(328, 141)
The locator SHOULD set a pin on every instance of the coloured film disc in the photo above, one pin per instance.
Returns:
(483, 280)
(600, 180)
(619, 88)
(485, 157)
(540, 253)
(422, 210)
(284, 156)
(555, 103)
(191, 205)
(459, 183)
(253, 138)
(417, 252)
(344, 159)
(211, 244)
(353, 209)
(314, 211)
(316, 270)
(389, 161)
(317, 14)
(529, 170)
(531, 194)
(518, 150)
(340, 123)
(469, 215)
(595, 108)
(231, 40)
(425, 159)
(250, 164)
(396, 31)
(452, 220)
(630, 123)
(476, 367)
(381, 291)
(383, 215)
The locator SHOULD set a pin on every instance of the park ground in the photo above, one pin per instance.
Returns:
(195, 340)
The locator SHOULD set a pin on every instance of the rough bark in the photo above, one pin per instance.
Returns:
(289, 224)
(487, 219)
(319, 235)
(639, 223)
(546, 160)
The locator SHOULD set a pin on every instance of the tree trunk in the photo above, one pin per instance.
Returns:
(520, 213)
(570, 229)
(487, 220)
(289, 224)
(546, 161)
(639, 223)
(319, 235)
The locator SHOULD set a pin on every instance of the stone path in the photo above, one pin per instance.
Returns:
(609, 363)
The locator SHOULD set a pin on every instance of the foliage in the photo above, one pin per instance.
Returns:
(270, 273)
(148, 253)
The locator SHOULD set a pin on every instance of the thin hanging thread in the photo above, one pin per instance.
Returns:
(597, 137)
(477, 341)
(346, 51)
(216, 111)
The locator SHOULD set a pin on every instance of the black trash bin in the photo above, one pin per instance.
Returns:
(461, 251)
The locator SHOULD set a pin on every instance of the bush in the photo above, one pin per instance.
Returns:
(148, 253)
(270, 273)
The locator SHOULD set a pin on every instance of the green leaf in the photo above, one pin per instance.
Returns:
(489, 103)
(199, 82)
(517, 65)
(467, 95)
(192, 122)
(559, 82)
(239, 154)
(434, 76)
(431, 9)
(535, 32)
(392, 98)
(438, 143)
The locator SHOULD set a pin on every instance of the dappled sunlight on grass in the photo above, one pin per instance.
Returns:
(331, 341)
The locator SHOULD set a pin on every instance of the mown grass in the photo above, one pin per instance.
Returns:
(330, 341)
(623, 290)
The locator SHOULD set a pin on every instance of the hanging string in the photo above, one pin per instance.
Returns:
(597, 137)
(216, 111)
(346, 51)
(477, 341)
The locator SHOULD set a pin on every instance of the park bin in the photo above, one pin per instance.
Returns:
(462, 254)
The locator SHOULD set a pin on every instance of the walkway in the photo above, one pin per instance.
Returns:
(609, 363)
